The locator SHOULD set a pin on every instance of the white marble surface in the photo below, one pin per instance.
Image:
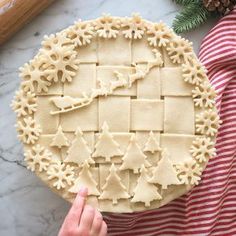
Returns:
(27, 207)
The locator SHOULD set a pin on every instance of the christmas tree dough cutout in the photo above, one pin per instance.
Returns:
(85, 179)
(164, 173)
(144, 191)
(106, 146)
(152, 145)
(59, 140)
(134, 158)
(113, 189)
(79, 151)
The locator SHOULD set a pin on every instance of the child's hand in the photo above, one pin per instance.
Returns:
(83, 220)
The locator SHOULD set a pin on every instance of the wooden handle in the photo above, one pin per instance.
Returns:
(16, 13)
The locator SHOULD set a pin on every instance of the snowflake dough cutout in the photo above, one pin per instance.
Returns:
(189, 172)
(159, 34)
(133, 27)
(24, 103)
(204, 95)
(107, 26)
(59, 58)
(193, 72)
(208, 122)
(61, 174)
(180, 50)
(81, 33)
(34, 77)
(55, 41)
(38, 156)
(202, 149)
(28, 130)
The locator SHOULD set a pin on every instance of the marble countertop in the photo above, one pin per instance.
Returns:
(27, 207)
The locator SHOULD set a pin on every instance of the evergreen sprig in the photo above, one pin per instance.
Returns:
(184, 2)
(193, 15)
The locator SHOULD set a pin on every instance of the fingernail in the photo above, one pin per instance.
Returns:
(83, 191)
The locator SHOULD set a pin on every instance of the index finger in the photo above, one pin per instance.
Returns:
(77, 206)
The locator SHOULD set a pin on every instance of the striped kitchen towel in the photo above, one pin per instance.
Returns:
(210, 208)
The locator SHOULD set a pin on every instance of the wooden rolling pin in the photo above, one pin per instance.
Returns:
(16, 13)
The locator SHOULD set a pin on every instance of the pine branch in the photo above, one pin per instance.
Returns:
(185, 2)
(193, 15)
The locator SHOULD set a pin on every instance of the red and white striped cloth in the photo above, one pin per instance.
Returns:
(210, 208)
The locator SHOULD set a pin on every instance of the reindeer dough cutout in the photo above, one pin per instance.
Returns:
(67, 103)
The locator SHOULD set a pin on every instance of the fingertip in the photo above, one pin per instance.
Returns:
(83, 192)
(81, 197)
(78, 205)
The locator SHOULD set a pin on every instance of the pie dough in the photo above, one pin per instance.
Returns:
(120, 105)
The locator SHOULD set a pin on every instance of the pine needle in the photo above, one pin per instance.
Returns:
(185, 2)
(193, 15)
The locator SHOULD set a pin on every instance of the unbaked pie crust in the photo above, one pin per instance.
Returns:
(120, 105)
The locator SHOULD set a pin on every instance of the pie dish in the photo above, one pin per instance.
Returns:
(120, 105)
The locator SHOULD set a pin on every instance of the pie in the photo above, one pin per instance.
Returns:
(120, 105)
